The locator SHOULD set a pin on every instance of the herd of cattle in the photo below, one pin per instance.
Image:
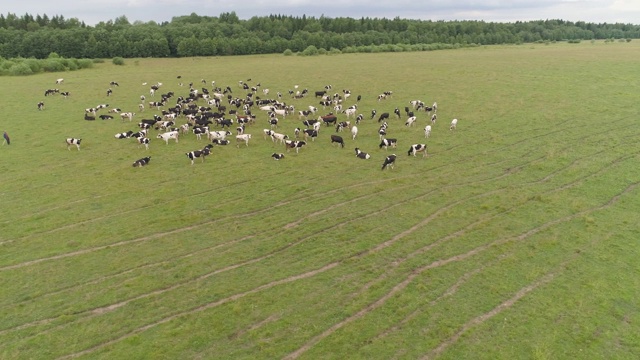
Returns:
(214, 113)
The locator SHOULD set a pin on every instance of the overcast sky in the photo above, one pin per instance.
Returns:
(94, 11)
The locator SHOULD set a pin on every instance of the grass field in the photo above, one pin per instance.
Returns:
(516, 238)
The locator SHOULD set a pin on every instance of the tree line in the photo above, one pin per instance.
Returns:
(193, 35)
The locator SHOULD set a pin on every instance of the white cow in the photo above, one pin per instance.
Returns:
(427, 131)
(454, 122)
(169, 135)
(354, 132)
(243, 138)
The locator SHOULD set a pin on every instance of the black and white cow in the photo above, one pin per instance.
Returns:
(416, 148)
(361, 154)
(220, 142)
(337, 139)
(124, 135)
(142, 162)
(453, 125)
(143, 141)
(277, 156)
(192, 155)
(73, 141)
(41, 105)
(106, 117)
(200, 130)
(294, 144)
(310, 133)
(388, 142)
(389, 161)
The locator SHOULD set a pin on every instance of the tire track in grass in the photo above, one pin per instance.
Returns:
(201, 308)
(486, 316)
(460, 257)
(507, 303)
(462, 231)
(105, 309)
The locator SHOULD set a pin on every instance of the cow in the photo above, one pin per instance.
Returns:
(59, 81)
(433, 118)
(6, 140)
(309, 123)
(341, 125)
(328, 119)
(169, 135)
(127, 115)
(109, 92)
(277, 156)
(89, 117)
(389, 161)
(410, 121)
(142, 162)
(362, 155)
(427, 131)
(114, 83)
(105, 117)
(73, 141)
(192, 155)
(277, 137)
(41, 105)
(124, 135)
(143, 141)
(294, 144)
(243, 138)
(220, 142)
(222, 134)
(383, 116)
(321, 93)
(453, 125)
(199, 130)
(354, 132)
(65, 94)
(310, 133)
(337, 139)
(416, 148)
(388, 142)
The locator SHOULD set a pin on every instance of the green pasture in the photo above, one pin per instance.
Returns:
(516, 238)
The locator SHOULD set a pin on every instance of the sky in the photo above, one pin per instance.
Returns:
(95, 11)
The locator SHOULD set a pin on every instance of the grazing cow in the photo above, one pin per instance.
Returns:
(106, 117)
(169, 135)
(243, 138)
(397, 112)
(328, 119)
(277, 156)
(310, 133)
(454, 122)
(382, 131)
(269, 133)
(51, 92)
(296, 132)
(199, 130)
(124, 135)
(341, 125)
(59, 81)
(435, 106)
(359, 118)
(362, 155)
(41, 105)
(373, 113)
(337, 139)
(354, 132)
(416, 148)
(102, 106)
(143, 141)
(115, 110)
(427, 131)
(220, 142)
(73, 141)
(142, 162)
(294, 144)
(321, 93)
(313, 109)
(6, 140)
(65, 94)
(114, 83)
(109, 91)
(410, 121)
(164, 125)
(192, 155)
(309, 123)
(389, 161)
(433, 118)
(127, 115)
(277, 137)
(388, 142)
(383, 116)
